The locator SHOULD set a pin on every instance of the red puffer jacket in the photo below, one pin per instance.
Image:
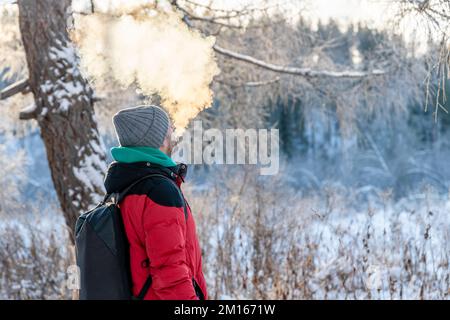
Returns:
(163, 243)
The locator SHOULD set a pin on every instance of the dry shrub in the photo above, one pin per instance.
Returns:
(262, 240)
(34, 258)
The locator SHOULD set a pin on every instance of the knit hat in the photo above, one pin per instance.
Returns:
(141, 126)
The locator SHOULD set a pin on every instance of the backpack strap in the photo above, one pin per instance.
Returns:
(145, 287)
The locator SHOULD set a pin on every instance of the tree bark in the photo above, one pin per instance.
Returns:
(64, 107)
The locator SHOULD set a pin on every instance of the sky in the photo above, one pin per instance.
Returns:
(375, 13)
(343, 10)
(347, 11)
(379, 14)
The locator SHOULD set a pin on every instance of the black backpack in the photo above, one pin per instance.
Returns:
(102, 250)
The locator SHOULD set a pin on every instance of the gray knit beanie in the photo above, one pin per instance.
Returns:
(144, 126)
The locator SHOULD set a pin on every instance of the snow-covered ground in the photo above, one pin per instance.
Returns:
(35, 256)
(323, 246)
(261, 241)
(261, 237)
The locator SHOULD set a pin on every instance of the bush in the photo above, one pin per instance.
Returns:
(262, 241)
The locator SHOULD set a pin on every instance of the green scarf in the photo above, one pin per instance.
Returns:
(138, 154)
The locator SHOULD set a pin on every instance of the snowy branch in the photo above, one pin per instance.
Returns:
(15, 88)
(304, 72)
(250, 83)
(214, 20)
(29, 112)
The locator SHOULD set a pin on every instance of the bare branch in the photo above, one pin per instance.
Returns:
(15, 88)
(261, 83)
(246, 10)
(304, 72)
(214, 20)
(250, 83)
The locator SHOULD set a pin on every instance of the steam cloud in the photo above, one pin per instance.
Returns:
(153, 49)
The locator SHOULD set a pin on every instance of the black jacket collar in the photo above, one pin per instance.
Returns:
(120, 175)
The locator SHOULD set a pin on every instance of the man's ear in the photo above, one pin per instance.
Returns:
(166, 146)
(166, 143)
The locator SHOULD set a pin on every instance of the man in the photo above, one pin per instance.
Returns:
(163, 241)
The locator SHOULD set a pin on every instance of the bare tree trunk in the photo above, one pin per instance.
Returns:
(64, 106)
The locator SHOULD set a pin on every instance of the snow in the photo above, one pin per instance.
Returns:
(92, 167)
(45, 224)
(63, 52)
(35, 255)
(64, 91)
(355, 251)
(306, 72)
(29, 109)
(81, 6)
(64, 104)
(90, 173)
